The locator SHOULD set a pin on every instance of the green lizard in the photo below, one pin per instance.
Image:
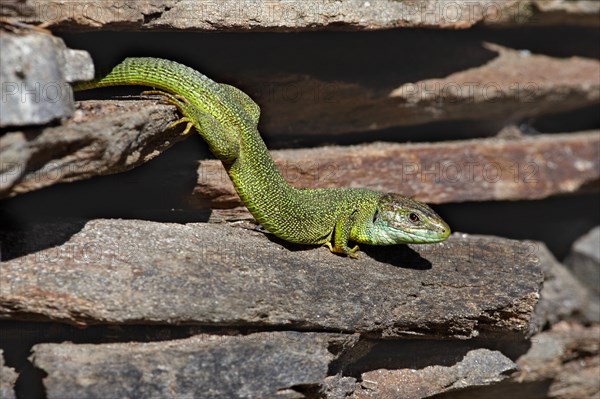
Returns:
(227, 119)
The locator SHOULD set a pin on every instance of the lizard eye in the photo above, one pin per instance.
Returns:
(413, 217)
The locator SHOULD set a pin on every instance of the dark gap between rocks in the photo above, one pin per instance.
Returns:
(327, 57)
(502, 390)
(29, 384)
(533, 220)
(367, 354)
(119, 196)
(572, 121)
(322, 53)
(372, 354)
(18, 337)
(580, 119)
(310, 391)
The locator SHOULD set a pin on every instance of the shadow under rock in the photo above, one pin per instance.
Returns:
(327, 56)
(18, 337)
(414, 353)
(19, 239)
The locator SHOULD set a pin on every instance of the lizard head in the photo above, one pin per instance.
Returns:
(398, 220)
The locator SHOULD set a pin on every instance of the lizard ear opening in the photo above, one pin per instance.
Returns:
(375, 215)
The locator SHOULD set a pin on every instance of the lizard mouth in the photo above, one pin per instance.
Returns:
(431, 235)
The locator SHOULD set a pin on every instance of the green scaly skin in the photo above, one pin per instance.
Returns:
(227, 119)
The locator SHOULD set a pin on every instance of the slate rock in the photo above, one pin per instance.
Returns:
(562, 295)
(102, 137)
(478, 367)
(8, 377)
(490, 169)
(35, 71)
(263, 15)
(261, 365)
(584, 262)
(562, 363)
(132, 271)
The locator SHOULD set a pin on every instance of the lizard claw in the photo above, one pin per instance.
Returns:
(185, 119)
(349, 252)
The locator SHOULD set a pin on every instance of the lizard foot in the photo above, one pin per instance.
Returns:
(349, 252)
(178, 101)
(185, 119)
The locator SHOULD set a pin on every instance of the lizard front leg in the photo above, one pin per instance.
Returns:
(341, 235)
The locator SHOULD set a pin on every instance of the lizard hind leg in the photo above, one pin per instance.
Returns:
(223, 141)
(182, 104)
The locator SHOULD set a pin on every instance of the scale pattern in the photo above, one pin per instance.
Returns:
(227, 119)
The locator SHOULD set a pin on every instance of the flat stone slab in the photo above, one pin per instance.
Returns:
(479, 367)
(131, 271)
(263, 365)
(102, 137)
(501, 86)
(111, 137)
(265, 15)
(8, 377)
(584, 260)
(563, 362)
(568, 356)
(495, 169)
(34, 73)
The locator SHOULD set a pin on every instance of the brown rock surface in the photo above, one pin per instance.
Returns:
(562, 363)
(102, 137)
(129, 271)
(35, 89)
(456, 171)
(565, 12)
(510, 86)
(478, 367)
(8, 377)
(262, 365)
(265, 15)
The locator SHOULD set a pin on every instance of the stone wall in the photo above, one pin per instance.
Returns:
(130, 268)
